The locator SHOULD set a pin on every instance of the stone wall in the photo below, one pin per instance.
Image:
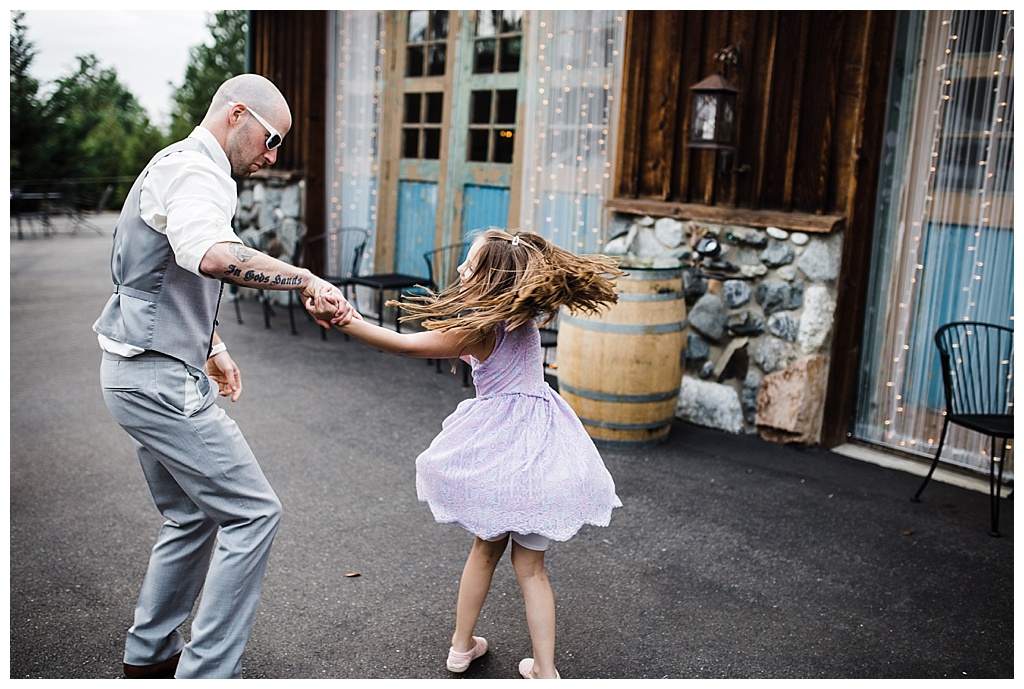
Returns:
(760, 319)
(270, 209)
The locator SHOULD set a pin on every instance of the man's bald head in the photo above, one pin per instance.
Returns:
(255, 91)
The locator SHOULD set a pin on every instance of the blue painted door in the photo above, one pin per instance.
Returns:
(459, 90)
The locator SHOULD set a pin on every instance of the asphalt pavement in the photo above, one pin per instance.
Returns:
(730, 558)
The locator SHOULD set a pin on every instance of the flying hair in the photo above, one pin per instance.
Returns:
(517, 277)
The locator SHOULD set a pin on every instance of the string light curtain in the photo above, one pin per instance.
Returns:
(945, 223)
(353, 162)
(574, 62)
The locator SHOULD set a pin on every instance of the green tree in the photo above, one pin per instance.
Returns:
(208, 67)
(101, 130)
(29, 128)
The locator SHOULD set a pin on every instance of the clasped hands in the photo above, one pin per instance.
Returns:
(327, 304)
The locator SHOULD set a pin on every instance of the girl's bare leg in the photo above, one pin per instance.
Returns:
(540, 607)
(473, 588)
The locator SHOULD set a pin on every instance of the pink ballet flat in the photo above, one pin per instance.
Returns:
(459, 662)
(526, 669)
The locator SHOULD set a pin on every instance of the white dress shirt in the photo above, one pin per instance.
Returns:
(191, 199)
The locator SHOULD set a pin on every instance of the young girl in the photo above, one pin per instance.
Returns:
(514, 463)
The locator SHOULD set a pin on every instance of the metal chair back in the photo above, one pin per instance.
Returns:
(443, 264)
(977, 368)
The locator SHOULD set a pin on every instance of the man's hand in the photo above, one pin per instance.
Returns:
(327, 304)
(222, 370)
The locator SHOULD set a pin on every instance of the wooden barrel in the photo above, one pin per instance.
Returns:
(621, 370)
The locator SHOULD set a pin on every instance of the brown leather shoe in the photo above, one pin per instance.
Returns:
(164, 670)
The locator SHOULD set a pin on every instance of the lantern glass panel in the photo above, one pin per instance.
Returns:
(705, 117)
(727, 118)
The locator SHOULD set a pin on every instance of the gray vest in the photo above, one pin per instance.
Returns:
(157, 305)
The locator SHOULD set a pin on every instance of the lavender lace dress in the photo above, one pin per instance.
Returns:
(515, 457)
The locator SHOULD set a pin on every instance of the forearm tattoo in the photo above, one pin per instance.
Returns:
(242, 252)
(254, 278)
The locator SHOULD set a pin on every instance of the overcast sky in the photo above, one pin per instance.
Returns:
(148, 48)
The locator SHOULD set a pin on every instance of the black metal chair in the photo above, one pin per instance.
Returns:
(442, 271)
(79, 217)
(380, 283)
(977, 377)
(443, 264)
(353, 243)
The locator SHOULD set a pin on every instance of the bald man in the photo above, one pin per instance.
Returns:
(163, 367)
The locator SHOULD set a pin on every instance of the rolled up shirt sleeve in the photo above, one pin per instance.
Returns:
(187, 197)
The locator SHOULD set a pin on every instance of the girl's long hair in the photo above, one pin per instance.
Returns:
(518, 277)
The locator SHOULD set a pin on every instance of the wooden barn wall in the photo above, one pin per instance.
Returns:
(802, 78)
(290, 48)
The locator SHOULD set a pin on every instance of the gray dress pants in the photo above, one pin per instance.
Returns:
(221, 515)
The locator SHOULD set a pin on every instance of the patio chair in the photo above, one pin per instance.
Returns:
(380, 283)
(352, 242)
(977, 376)
(442, 271)
(79, 216)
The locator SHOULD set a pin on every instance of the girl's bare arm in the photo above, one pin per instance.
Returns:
(430, 344)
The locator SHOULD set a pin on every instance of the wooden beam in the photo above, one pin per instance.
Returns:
(795, 222)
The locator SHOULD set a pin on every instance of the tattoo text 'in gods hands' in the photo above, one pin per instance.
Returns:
(235, 274)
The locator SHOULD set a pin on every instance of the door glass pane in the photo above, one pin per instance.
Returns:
(437, 59)
(510, 50)
(411, 113)
(511, 21)
(410, 143)
(485, 24)
(432, 144)
(478, 145)
(418, 26)
(493, 22)
(414, 60)
(480, 107)
(435, 107)
(504, 142)
(439, 25)
(506, 109)
(483, 58)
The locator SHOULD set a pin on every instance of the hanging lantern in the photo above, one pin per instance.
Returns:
(714, 114)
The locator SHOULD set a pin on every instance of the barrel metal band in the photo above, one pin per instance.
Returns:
(654, 273)
(647, 296)
(630, 444)
(616, 397)
(654, 329)
(627, 426)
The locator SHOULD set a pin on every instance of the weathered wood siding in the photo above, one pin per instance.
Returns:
(803, 80)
